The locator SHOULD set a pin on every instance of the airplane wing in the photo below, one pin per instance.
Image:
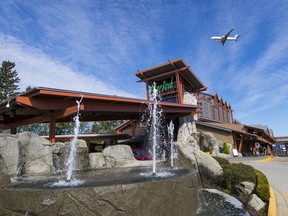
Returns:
(225, 37)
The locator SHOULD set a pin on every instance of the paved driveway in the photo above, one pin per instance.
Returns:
(276, 171)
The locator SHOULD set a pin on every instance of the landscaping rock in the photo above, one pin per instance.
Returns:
(255, 205)
(208, 142)
(60, 154)
(10, 154)
(118, 155)
(244, 190)
(25, 153)
(97, 160)
(190, 155)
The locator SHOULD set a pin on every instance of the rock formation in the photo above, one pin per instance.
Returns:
(189, 151)
(25, 153)
(60, 152)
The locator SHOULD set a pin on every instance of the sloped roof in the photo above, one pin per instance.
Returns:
(167, 70)
(234, 127)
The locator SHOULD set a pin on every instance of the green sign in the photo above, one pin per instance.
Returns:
(165, 86)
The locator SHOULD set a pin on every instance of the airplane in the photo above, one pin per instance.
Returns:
(222, 39)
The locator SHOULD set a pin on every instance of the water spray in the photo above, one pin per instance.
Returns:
(72, 153)
(171, 136)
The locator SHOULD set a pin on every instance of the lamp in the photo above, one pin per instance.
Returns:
(8, 104)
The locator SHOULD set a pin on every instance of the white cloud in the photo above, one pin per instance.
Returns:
(36, 68)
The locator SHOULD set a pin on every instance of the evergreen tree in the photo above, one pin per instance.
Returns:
(8, 80)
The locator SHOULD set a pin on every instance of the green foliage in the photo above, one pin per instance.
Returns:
(104, 127)
(262, 188)
(226, 149)
(234, 173)
(42, 129)
(8, 81)
(222, 161)
(64, 128)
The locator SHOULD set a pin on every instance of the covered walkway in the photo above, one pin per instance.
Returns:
(47, 105)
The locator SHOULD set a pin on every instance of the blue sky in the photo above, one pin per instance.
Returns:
(98, 46)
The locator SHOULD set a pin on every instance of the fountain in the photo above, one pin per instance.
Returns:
(73, 147)
(173, 153)
(71, 157)
(155, 116)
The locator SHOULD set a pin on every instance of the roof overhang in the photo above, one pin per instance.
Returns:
(41, 104)
(168, 70)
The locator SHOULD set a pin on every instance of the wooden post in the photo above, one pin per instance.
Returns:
(241, 144)
(179, 88)
(52, 130)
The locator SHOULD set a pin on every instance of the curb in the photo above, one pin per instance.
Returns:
(269, 158)
(272, 209)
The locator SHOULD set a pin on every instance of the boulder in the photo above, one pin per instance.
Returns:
(36, 154)
(208, 142)
(25, 153)
(97, 160)
(188, 147)
(61, 152)
(244, 190)
(118, 155)
(190, 155)
(208, 166)
(10, 154)
(255, 205)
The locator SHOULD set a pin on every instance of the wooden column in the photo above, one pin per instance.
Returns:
(52, 130)
(241, 144)
(179, 88)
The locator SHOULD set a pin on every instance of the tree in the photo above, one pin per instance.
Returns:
(8, 80)
(105, 127)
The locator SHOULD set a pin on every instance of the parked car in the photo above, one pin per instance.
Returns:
(142, 154)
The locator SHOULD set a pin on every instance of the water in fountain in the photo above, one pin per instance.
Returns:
(73, 147)
(71, 159)
(155, 123)
(173, 153)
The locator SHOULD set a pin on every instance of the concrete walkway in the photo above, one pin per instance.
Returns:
(276, 170)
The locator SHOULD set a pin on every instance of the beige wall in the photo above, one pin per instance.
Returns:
(224, 136)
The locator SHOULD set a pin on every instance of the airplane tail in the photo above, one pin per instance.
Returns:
(237, 36)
